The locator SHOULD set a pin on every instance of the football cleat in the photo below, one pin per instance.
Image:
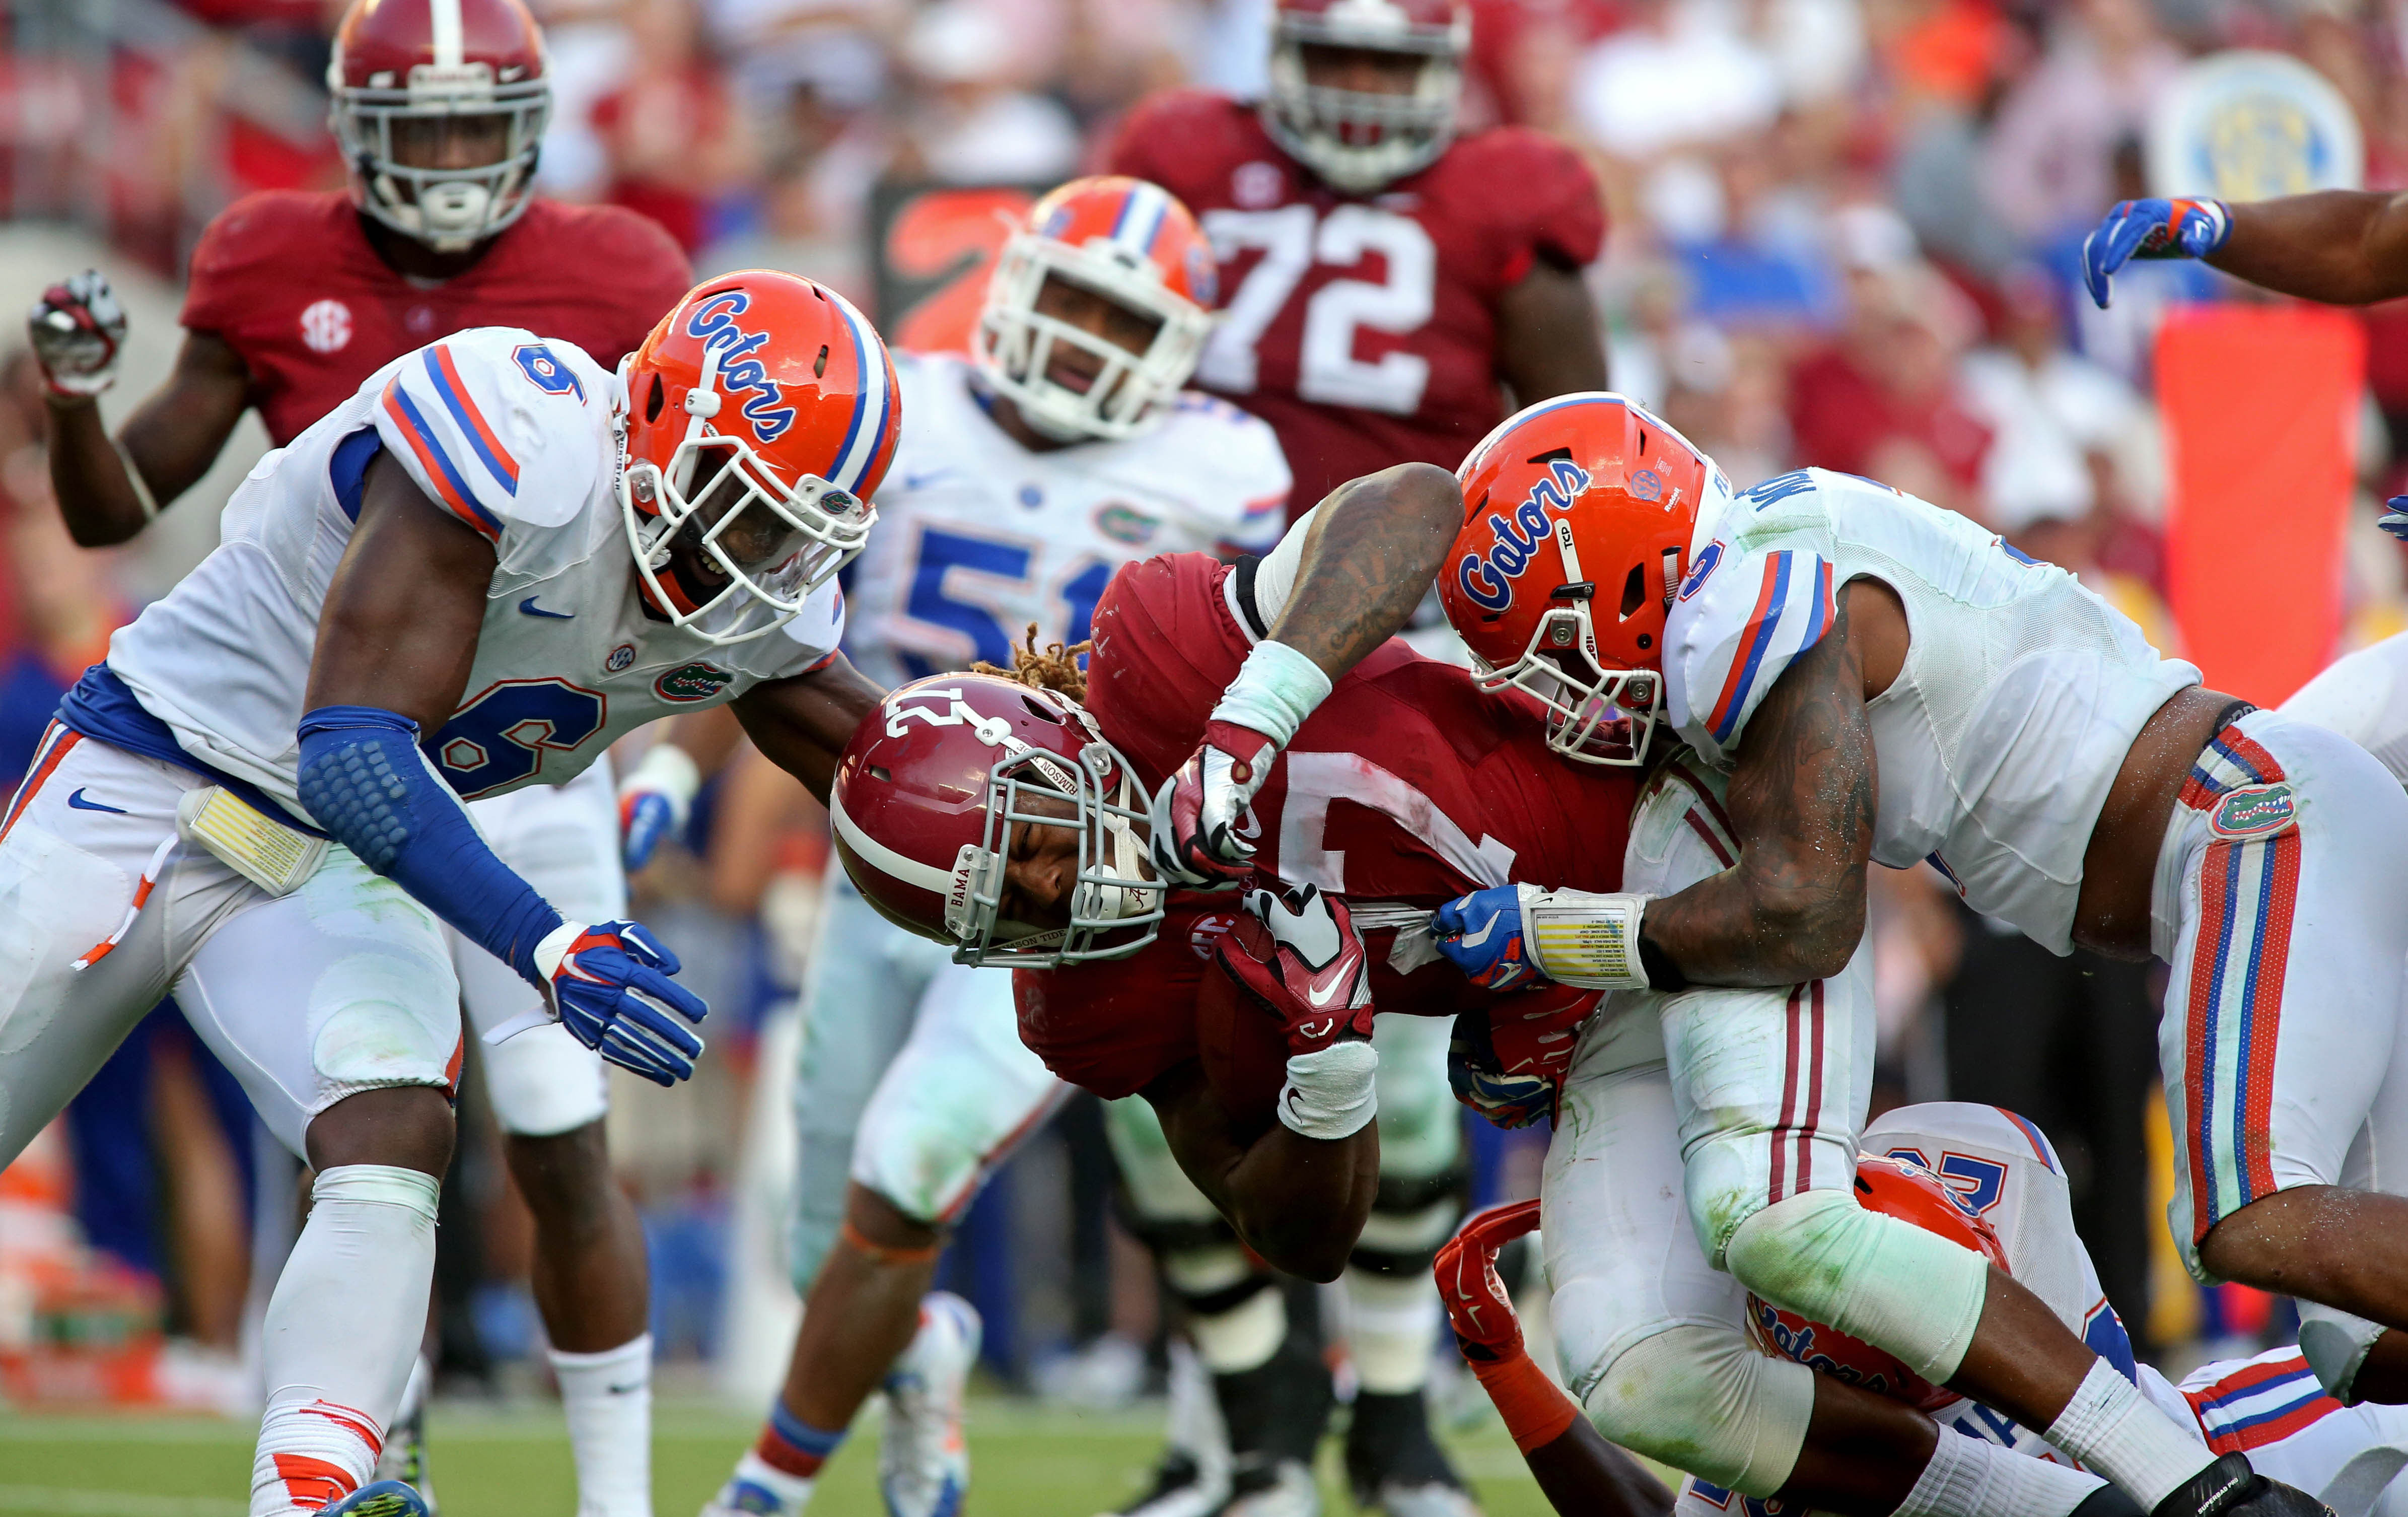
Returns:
(402, 1457)
(1182, 1486)
(740, 1497)
(380, 1499)
(924, 1462)
(2230, 1487)
(1280, 1488)
(1393, 1463)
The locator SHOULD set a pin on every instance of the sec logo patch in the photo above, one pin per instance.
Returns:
(1209, 930)
(2254, 812)
(622, 658)
(692, 683)
(325, 327)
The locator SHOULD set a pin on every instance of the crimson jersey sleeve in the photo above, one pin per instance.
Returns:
(632, 273)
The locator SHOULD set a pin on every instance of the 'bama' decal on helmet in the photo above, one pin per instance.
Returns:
(1487, 577)
(740, 373)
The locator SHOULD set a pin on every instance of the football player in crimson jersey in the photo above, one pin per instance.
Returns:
(1411, 778)
(1380, 278)
(296, 297)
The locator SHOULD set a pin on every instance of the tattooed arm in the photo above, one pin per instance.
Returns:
(1372, 551)
(1801, 803)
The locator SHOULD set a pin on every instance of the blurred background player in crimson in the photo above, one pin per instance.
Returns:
(1380, 276)
(295, 298)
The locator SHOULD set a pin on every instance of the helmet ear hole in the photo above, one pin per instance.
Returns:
(654, 402)
(1634, 591)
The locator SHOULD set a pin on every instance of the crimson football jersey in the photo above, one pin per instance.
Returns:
(290, 281)
(1362, 328)
(1408, 786)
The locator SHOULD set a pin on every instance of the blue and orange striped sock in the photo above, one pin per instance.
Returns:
(794, 1447)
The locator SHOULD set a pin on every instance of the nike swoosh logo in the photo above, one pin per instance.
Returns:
(916, 481)
(1319, 996)
(77, 801)
(531, 608)
(628, 1389)
(1476, 939)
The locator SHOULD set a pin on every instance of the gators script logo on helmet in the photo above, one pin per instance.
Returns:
(1894, 1187)
(1578, 513)
(760, 414)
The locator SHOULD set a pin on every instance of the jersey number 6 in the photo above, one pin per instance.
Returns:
(499, 736)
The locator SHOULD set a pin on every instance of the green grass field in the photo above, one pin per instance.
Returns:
(1027, 1462)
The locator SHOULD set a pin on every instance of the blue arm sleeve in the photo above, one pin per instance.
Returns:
(365, 778)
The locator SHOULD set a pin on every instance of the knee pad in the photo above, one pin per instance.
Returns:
(1870, 1276)
(2335, 1343)
(1704, 1400)
(1235, 1311)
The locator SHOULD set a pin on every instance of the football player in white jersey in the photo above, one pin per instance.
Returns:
(472, 577)
(1026, 476)
(1990, 1182)
(1884, 679)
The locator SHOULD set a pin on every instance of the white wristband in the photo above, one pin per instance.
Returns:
(1331, 1091)
(1584, 940)
(668, 770)
(1275, 690)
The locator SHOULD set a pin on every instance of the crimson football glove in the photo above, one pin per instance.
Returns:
(611, 988)
(1478, 1307)
(77, 330)
(1298, 952)
(1195, 815)
(1507, 1061)
(2150, 229)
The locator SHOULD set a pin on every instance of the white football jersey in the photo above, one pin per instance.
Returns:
(511, 432)
(977, 535)
(2270, 1408)
(2364, 698)
(2022, 690)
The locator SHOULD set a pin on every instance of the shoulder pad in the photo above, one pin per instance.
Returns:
(498, 426)
(1232, 468)
(1738, 623)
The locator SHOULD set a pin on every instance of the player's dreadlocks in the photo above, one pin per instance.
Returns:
(1056, 669)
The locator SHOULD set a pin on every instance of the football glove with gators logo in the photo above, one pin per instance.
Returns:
(1483, 935)
(2150, 229)
(611, 986)
(78, 330)
(1507, 1061)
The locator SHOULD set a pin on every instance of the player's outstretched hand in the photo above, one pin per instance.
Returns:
(1478, 1307)
(1195, 815)
(610, 985)
(654, 801)
(2150, 229)
(77, 330)
(1486, 936)
(1299, 953)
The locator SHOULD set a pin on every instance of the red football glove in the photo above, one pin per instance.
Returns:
(1507, 1061)
(77, 330)
(1298, 952)
(1195, 816)
(1477, 1304)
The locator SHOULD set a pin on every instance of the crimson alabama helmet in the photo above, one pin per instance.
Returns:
(760, 414)
(1577, 517)
(1909, 1192)
(929, 791)
(1359, 140)
(405, 75)
(1132, 243)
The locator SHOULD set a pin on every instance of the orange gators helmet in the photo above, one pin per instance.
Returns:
(1896, 1188)
(760, 414)
(418, 85)
(1578, 513)
(1130, 242)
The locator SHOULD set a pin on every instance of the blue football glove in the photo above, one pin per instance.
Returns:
(654, 801)
(2394, 519)
(2150, 229)
(610, 985)
(1482, 935)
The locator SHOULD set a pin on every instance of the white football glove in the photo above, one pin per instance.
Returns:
(77, 331)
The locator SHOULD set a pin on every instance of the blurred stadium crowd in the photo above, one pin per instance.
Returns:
(1842, 232)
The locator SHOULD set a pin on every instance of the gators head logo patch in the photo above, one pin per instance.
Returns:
(2254, 812)
(692, 683)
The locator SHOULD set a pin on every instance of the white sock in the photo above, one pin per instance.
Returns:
(1391, 1322)
(794, 1492)
(2108, 1426)
(608, 1398)
(1971, 1476)
(342, 1334)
